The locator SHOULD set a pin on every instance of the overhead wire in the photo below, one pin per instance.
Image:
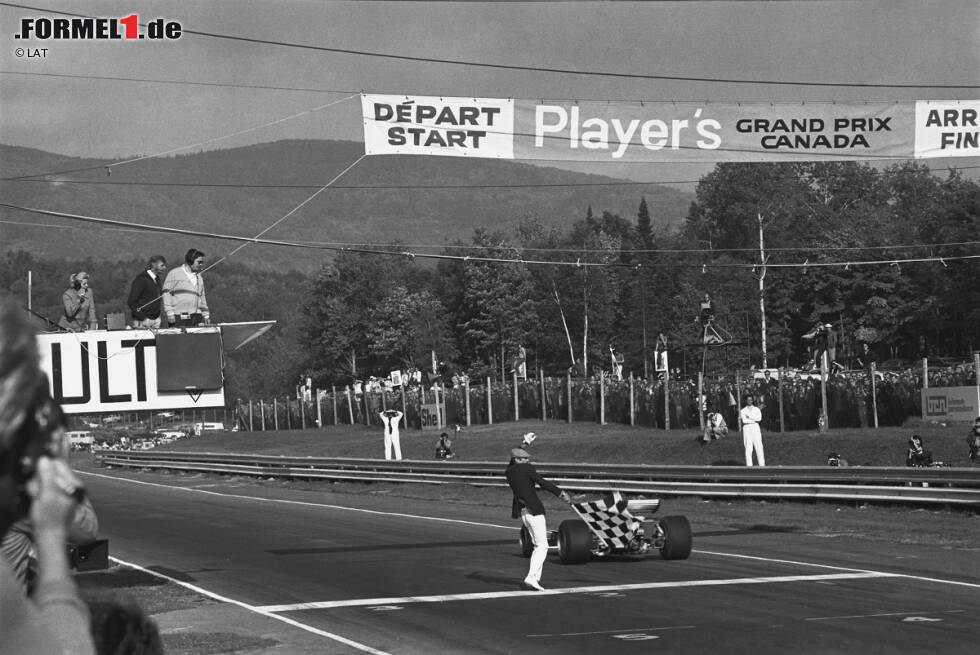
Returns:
(399, 250)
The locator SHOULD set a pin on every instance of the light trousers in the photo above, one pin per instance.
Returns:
(392, 443)
(538, 527)
(752, 439)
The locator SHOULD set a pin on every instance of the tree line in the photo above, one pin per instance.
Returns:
(876, 252)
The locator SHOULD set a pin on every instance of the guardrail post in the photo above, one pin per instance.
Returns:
(874, 392)
(262, 412)
(517, 412)
(275, 413)
(602, 397)
(544, 411)
(489, 404)
(466, 400)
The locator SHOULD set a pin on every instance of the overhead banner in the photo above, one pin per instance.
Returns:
(668, 132)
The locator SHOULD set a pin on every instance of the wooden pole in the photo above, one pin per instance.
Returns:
(489, 404)
(367, 405)
(302, 411)
(466, 400)
(602, 398)
(544, 411)
(632, 402)
(289, 414)
(319, 408)
(874, 392)
(825, 423)
(700, 396)
(517, 411)
(925, 372)
(568, 387)
(782, 424)
(667, 399)
(262, 413)
(250, 428)
(333, 402)
(350, 404)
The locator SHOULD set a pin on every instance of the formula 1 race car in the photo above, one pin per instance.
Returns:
(608, 526)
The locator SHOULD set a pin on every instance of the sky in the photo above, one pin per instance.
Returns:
(121, 99)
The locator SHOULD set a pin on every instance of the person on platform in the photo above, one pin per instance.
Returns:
(390, 418)
(146, 294)
(184, 300)
(749, 418)
(79, 305)
(35, 484)
(523, 478)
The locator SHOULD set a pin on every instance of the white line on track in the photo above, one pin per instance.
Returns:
(258, 610)
(872, 616)
(659, 628)
(490, 595)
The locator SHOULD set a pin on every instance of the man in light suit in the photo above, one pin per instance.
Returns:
(390, 419)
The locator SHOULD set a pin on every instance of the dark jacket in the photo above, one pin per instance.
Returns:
(522, 477)
(145, 296)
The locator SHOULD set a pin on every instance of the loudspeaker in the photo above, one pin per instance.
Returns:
(115, 321)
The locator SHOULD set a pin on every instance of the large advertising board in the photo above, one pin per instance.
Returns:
(701, 132)
(113, 371)
(951, 403)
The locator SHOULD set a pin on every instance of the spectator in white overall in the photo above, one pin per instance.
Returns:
(390, 419)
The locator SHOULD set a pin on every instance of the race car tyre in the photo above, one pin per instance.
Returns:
(525, 540)
(574, 542)
(677, 537)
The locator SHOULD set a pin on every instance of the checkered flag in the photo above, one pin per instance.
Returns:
(610, 519)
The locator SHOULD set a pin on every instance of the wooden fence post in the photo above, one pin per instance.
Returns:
(275, 412)
(632, 402)
(489, 404)
(517, 413)
(568, 390)
(350, 404)
(319, 409)
(302, 411)
(250, 428)
(667, 399)
(289, 414)
(700, 396)
(602, 398)
(466, 386)
(262, 412)
(544, 411)
(874, 392)
(782, 423)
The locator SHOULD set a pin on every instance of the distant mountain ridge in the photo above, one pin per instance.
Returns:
(242, 191)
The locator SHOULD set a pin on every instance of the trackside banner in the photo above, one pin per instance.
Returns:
(668, 132)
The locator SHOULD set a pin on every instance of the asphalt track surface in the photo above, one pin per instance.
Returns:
(379, 574)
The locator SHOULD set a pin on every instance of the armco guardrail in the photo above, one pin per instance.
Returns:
(931, 486)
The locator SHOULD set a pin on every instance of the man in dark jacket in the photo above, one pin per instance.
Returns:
(146, 294)
(522, 478)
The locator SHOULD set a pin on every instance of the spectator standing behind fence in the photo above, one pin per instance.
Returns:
(34, 484)
(522, 478)
(750, 417)
(390, 419)
(184, 300)
(973, 441)
(79, 305)
(146, 294)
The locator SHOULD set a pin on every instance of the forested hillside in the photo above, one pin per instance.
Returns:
(245, 191)
(890, 257)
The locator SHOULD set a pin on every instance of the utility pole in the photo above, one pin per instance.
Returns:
(643, 301)
(762, 291)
